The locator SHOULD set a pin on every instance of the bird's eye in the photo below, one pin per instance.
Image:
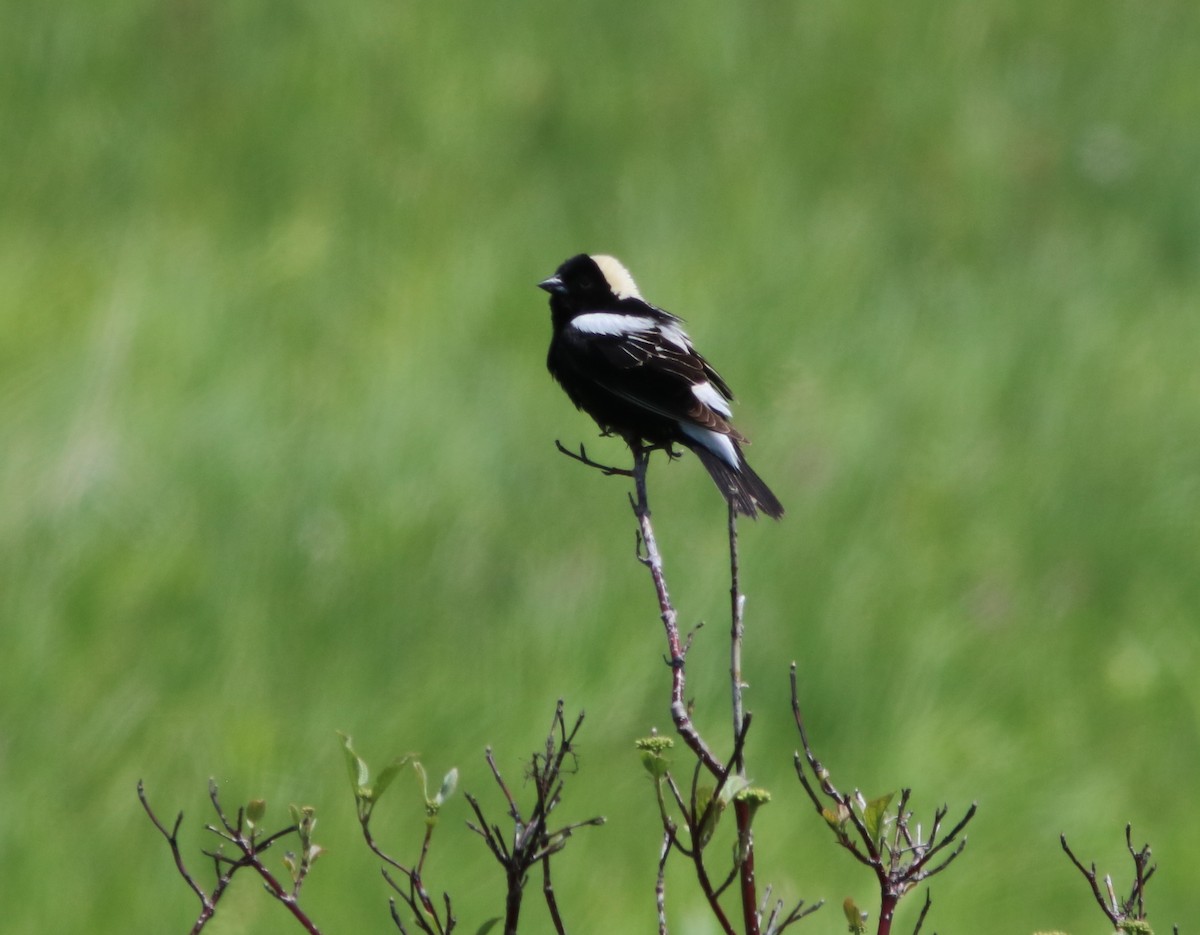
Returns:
(585, 284)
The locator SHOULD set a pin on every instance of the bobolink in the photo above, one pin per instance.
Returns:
(633, 369)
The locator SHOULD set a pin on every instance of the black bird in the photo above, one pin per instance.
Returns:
(633, 369)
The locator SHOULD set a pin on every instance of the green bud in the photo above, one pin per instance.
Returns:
(754, 795)
(654, 744)
(753, 798)
(856, 917)
(449, 784)
(255, 811)
(289, 861)
(836, 818)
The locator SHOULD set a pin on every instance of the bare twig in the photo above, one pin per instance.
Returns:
(924, 912)
(653, 560)
(582, 458)
(532, 841)
(737, 604)
(249, 841)
(710, 894)
(208, 904)
(699, 822)
(1142, 874)
(775, 924)
(900, 862)
(660, 887)
(1133, 908)
(551, 902)
(742, 810)
(1089, 874)
(425, 914)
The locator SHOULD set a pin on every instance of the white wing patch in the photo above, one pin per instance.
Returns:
(712, 398)
(676, 335)
(612, 323)
(618, 277)
(718, 444)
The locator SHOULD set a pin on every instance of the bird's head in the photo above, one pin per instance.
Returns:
(594, 281)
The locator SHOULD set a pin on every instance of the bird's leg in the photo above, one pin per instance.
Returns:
(667, 447)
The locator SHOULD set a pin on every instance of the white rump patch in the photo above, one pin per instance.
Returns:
(712, 398)
(618, 277)
(612, 323)
(718, 444)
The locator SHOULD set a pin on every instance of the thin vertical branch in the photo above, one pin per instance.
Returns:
(652, 558)
(737, 604)
(551, 901)
(660, 888)
(924, 912)
(742, 810)
(749, 886)
(743, 869)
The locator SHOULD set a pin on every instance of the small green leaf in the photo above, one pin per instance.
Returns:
(422, 778)
(390, 772)
(449, 784)
(733, 785)
(704, 795)
(836, 818)
(355, 766)
(854, 916)
(655, 764)
(304, 817)
(255, 810)
(487, 926)
(874, 812)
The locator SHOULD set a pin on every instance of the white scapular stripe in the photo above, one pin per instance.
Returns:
(718, 444)
(618, 277)
(611, 323)
(676, 336)
(712, 398)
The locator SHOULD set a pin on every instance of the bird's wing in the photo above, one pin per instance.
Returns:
(653, 365)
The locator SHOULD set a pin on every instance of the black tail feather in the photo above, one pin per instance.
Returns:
(743, 488)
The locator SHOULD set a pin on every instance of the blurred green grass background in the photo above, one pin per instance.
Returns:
(276, 435)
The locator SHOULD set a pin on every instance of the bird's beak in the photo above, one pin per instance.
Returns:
(552, 285)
